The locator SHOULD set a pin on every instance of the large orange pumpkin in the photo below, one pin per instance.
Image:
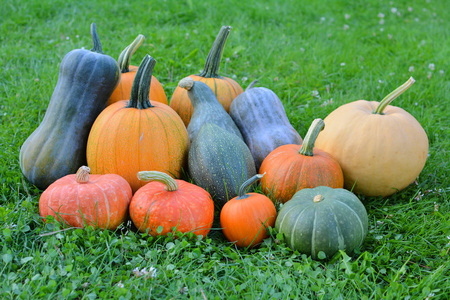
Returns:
(381, 148)
(290, 168)
(225, 89)
(165, 203)
(128, 72)
(135, 135)
(245, 218)
(79, 200)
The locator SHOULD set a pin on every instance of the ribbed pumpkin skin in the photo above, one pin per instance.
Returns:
(287, 172)
(219, 162)
(207, 110)
(262, 121)
(225, 89)
(103, 201)
(244, 221)
(58, 146)
(189, 209)
(379, 154)
(125, 141)
(123, 89)
(338, 222)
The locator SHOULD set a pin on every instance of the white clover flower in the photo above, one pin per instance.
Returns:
(67, 38)
(381, 15)
(347, 16)
(393, 10)
(431, 66)
(410, 9)
(381, 22)
(342, 64)
(441, 72)
(120, 284)
(390, 36)
(346, 27)
(429, 75)
(411, 69)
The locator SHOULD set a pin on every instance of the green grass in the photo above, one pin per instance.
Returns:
(336, 48)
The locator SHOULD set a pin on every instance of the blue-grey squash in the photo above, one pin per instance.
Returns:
(57, 147)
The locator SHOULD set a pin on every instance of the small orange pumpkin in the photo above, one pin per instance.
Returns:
(291, 168)
(166, 203)
(128, 72)
(135, 135)
(244, 218)
(225, 89)
(79, 200)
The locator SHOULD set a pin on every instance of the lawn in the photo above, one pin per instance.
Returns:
(316, 56)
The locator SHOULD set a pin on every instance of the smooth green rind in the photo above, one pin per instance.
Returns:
(338, 222)
(219, 162)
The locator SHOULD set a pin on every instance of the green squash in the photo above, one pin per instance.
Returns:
(207, 109)
(262, 121)
(323, 219)
(219, 162)
(57, 147)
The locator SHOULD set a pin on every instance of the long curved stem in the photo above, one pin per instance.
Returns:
(170, 183)
(307, 147)
(215, 54)
(141, 84)
(251, 85)
(125, 57)
(246, 185)
(389, 98)
(96, 40)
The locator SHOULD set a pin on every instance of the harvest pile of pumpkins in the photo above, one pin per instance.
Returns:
(113, 120)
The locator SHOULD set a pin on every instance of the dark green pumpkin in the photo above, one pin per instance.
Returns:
(57, 147)
(219, 162)
(262, 121)
(207, 108)
(323, 219)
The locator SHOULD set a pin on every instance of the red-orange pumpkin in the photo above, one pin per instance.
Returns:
(79, 200)
(245, 218)
(290, 168)
(165, 204)
(128, 72)
(225, 89)
(135, 135)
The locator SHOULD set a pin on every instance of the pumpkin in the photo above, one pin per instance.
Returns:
(224, 88)
(130, 136)
(206, 109)
(290, 168)
(381, 148)
(219, 162)
(323, 219)
(58, 146)
(165, 203)
(262, 121)
(128, 72)
(244, 218)
(79, 200)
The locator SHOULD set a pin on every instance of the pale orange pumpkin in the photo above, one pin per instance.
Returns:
(225, 89)
(381, 148)
(135, 135)
(128, 72)
(79, 199)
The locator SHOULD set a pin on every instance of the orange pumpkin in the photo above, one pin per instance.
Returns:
(135, 135)
(165, 203)
(225, 89)
(381, 148)
(128, 72)
(290, 168)
(245, 218)
(79, 200)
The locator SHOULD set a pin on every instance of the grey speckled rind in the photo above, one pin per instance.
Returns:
(219, 162)
(338, 222)
(262, 121)
(58, 146)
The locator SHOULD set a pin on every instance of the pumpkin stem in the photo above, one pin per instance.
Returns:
(318, 198)
(246, 185)
(308, 143)
(141, 84)
(215, 54)
(389, 98)
(251, 85)
(186, 83)
(169, 183)
(96, 40)
(125, 56)
(82, 175)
